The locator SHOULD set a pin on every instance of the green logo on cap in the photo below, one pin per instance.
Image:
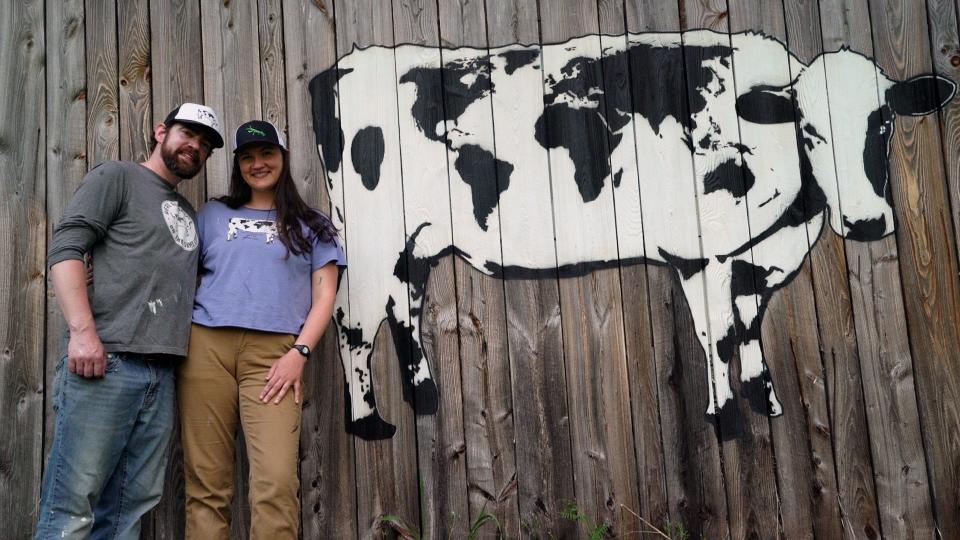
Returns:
(254, 131)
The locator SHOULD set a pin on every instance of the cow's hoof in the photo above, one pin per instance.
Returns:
(426, 398)
(728, 421)
(371, 428)
(758, 392)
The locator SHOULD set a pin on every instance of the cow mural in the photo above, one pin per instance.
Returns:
(729, 156)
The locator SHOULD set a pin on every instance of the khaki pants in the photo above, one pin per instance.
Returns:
(219, 384)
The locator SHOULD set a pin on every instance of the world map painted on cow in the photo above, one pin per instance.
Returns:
(719, 156)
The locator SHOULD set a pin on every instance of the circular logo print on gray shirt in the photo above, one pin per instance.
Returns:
(181, 225)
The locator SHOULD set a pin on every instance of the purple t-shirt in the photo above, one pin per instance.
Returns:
(246, 281)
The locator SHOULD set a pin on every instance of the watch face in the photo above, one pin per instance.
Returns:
(303, 349)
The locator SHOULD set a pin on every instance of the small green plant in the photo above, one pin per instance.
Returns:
(671, 530)
(483, 519)
(405, 531)
(595, 531)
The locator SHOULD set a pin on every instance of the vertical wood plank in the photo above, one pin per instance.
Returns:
(752, 497)
(928, 257)
(801, 442)
(135, 113)
(231, 77)
(534, 336)
(23, 229)
(177, 76)
(103, 123)
(489, 434)
(388, 483)
(66, 157)
(273, 93)
(627, 202)
(885, 359)
(945, 49)
(441, 450)
(846, 426)
(327, 472)
(594, 351)
(692, 465)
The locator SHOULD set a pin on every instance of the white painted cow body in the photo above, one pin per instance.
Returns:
(537, 158)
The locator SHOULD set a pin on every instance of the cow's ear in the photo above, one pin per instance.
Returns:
(766, 105)
(920, 95)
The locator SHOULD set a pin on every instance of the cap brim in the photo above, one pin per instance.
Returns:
(215, 139)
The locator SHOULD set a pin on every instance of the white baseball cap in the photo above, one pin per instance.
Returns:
(198, 115)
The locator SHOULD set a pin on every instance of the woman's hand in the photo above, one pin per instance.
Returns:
(287, 371)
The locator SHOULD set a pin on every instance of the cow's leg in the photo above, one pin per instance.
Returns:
(413, 268)
(756, 386)
(773, 264)
(709, 317)
(356, 338)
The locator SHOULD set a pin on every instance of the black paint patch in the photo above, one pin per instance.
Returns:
(487, 177)
(442, 95)
(354, 336)
(366, 151)
(687, 267)
(767, 105)
(518, 58)
(875, 150)
(735, 178)
(369, 428)
(866, 230)
(730, 423)
(584, 134)
(563, 271)
(617, 177)
(920, 95)
(326, 120)
(757, 392)
(420, 397)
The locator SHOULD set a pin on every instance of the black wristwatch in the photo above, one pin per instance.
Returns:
(302, 349)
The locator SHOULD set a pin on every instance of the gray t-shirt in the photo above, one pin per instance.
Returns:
(143, 238)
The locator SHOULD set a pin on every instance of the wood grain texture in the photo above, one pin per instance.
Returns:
(327, 468)
(273, 92)
(23, 232)
(231, 77)
(535, 342)
(884, 350)
(388, 484)
(928, 257)
(593, 341)
(174, 36)
(491, 470)
(103, 121)
(696, 496)
(749, 476)
(844, 431)
(806, 478)
(441, 448)
(135, 113)
(945, 49)
(66, 157)
(176, 77)
(640, 354)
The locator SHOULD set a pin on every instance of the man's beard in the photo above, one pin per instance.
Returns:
(171, 158)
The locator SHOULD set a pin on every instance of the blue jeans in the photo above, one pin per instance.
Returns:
(109, 449)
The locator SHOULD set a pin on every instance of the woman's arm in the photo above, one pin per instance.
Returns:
(288, 370)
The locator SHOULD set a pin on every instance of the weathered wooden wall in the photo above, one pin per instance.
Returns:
(586, 389)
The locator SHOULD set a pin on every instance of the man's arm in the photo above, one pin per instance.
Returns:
(85, 351)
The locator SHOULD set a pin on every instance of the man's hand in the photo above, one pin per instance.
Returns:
(85, 354)
(285, 373)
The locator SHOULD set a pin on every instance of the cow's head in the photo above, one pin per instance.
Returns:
(846, 109)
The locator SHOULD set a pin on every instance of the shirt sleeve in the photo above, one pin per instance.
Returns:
(96, 204)
(327, 252)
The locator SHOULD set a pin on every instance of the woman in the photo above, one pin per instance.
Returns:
(269, 267)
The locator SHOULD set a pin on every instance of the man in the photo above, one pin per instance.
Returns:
(114, 390)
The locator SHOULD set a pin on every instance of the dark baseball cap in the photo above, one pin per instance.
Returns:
(258, 131)
(197, 115)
